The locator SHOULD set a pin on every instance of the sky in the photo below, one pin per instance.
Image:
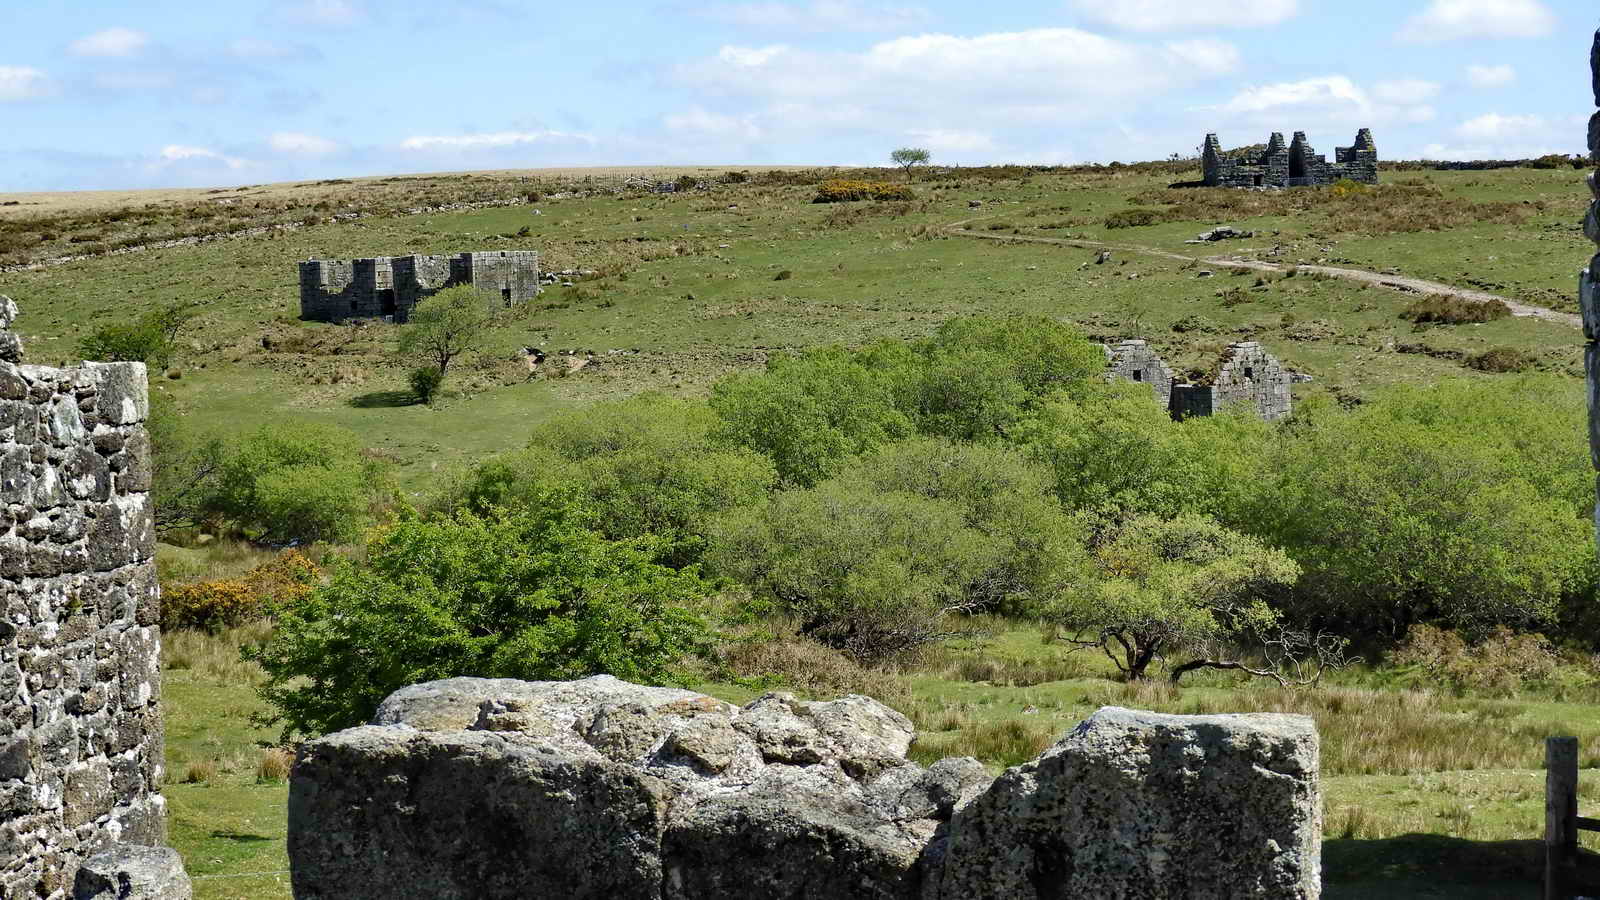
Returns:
(141, 93)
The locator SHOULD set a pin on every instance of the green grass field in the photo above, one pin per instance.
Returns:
(1426, 794)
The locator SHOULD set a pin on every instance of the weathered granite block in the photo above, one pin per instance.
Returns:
(1146, 806)
(132, 872)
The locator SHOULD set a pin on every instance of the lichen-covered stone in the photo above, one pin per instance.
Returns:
(600, 788)
(80, 738)
(1146, 806)
(133, 872)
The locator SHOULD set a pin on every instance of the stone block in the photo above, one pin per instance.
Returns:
(1138, 805)
(87, 794)
(1591, 367)
(1589, 299)
(123, 394)
(133, 872)
(1594, 66)
(1594, 137)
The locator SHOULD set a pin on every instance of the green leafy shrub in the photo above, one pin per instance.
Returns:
(150, 339)
(531, 594)
(841, 190)
(425, 383)
(306, 483)
(874, 561)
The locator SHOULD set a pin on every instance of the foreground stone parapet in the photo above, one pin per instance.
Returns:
(598, 789)
(81, 738)
(132, 872)
(1135, 805)
(1589, 282)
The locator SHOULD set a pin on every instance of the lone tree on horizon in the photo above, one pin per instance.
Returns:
(906, 157)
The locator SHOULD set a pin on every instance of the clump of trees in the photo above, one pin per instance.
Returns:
(872, 499)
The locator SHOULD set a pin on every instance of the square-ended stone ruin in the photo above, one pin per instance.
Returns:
(1246, 375)
(81, 737)
(333, 290)
(1293, 164)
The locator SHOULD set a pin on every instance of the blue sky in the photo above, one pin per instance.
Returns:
(143, 94)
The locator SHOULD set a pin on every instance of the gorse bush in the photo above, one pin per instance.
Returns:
(1446, 309)
(532, 594)
(213, 605)
(840, 190)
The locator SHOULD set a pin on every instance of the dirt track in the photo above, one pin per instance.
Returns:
(1401, 283)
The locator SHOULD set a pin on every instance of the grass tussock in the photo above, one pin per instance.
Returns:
(1501, 360)
(1445, 309)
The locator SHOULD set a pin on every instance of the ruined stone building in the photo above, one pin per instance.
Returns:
(80, 738)
(332, 290)
(1247, 374)
(1295, 164)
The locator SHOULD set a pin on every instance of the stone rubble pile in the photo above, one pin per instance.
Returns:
(493, 788)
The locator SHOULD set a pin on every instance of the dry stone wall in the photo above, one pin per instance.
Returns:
(603, 790)
(81, 737)
(1589, 280)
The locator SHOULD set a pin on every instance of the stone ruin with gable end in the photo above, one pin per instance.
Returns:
(81, 751)
(333, 290)
(1293, 164)
(1247, 374)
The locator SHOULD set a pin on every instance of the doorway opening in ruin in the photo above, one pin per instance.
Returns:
(386, 301)
(1297, 166)
(1138, 375)
(505, 296)
(1258, 181)
(353, 306)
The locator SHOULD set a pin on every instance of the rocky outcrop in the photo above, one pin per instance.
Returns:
(1134, 805)
(602, 789)
(133, 873)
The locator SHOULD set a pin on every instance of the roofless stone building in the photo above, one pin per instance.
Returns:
(1295, 164)
(332, 290)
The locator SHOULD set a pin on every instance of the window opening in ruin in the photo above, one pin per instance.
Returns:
(1138, 375)
(1249, 373)
(386, 301)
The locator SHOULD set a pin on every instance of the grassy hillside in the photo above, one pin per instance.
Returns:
(1428, 794)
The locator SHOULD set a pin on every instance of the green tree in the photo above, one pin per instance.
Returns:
(305, 482)
(645, 465)
(906, 157)
(150, 339)
(184, 465)
(1176, 585)
(808, 413)
(876, 559)
(443, 327)
(531, 594)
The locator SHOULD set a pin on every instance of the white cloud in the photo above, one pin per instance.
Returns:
(1448, 20)
(1205, 55)
(22, 83)
(953, 140)
(1160, 15)
(1491, 76)
(181, 153)
(301, 144)
(1493, 126)
(321, 12)
(819, 15)
(115, 42)
(1406, 91)
(705, 125)
(260, 49)
(1334, 98)
(491, 140)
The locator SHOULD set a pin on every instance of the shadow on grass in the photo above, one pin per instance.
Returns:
(382, 399)
(239, 837)
(1431, 865)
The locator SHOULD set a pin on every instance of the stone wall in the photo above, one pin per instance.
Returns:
(1247, 374)
(1589, 279)
(1294, 164)
(1135, 361)
(81, 737)
(602, 790)
(333, 290)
